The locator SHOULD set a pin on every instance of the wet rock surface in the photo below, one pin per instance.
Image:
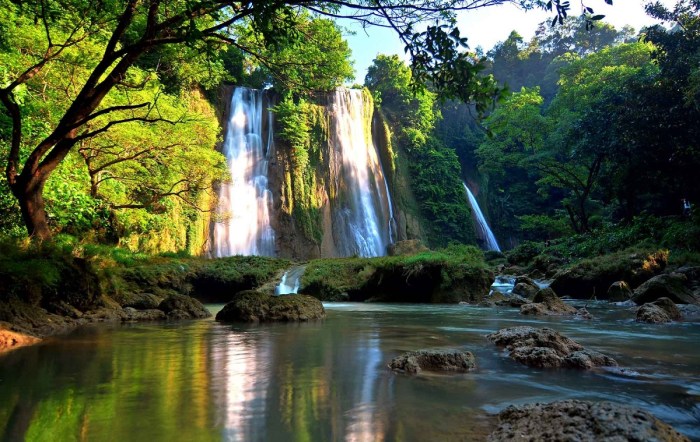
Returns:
(674, 286)
(433, 360)
(253, 306)
(573, 420)
(661, 311)
(619, 291)
(545, 348)
(547, 303)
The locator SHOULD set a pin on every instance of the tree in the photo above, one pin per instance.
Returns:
(39, 35)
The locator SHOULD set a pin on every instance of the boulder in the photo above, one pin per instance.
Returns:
(406, 247)
(574, 420)
(591, 278)
(183, 307)
(669, 285)
(547, 303)
(132, 314)
(619, 291)
(525, 287)
(433, 360)
(513, 301)
(658, 312)
(545, 348)
(253, 306)
(143, 301)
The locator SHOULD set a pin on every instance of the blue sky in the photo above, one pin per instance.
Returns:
(486, 27)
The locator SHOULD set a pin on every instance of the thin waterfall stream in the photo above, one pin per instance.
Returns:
(483, 229)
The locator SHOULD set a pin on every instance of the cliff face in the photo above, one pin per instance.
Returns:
(311, 182)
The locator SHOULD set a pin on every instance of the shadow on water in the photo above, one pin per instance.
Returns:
(328, 380)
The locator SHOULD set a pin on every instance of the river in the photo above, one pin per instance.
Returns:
(323, 381)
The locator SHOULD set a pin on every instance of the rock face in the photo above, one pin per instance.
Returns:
(252, 306)
(547, 303)
(658, 312)
(574, 420)
(545, 348)
(10, 339)
(619, 291)
(671, 285)
(183, 307)
(433, 360)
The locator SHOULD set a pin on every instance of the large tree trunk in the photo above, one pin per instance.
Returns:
(31, 202)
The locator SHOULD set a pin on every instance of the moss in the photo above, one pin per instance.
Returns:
(450, 275)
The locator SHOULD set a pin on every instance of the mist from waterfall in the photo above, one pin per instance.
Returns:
(362, 212)
(244, 202)
(483, 229)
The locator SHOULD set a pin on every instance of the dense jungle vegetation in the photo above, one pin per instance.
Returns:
(109, 134)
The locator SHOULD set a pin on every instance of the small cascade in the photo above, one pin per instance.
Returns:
(245, 201)
(290, 281)
(484, 231)
(362, 212)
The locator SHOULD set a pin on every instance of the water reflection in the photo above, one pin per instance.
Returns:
(328, 380)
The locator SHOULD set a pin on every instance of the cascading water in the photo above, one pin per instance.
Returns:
(291, 281)
(244, 203)
(483, 228)
(362, 212)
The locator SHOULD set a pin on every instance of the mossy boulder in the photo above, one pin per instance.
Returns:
(673, 286)
(253, 306)
(619, 291)
(429, 277)
(574, 420)
(433, 360)
(406, 247)
(183, 307)
(592, 277)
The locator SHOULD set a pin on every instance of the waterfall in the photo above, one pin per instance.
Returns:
(362, 212)
(291, 280)
(244, 202)
(484, 231)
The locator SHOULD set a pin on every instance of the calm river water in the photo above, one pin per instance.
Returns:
(327, 381)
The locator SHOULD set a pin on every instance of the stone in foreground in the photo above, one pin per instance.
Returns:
(545, 348)
(433, 360)
(253, 306)
(573, 420)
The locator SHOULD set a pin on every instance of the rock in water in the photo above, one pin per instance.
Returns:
(619, 291)
(547, 303)
(433, 360)
(183, 307)
(545, 348)
(672, 286)
(581, 421)
(658, 312)
(253, 306)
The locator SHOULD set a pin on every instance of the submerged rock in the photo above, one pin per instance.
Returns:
(574, 420)
(433, 360)
(658, 312)
(183, 307)
(253, 306)
(545, 348)
(671, 285)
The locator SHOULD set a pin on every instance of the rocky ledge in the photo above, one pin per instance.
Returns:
(574, 420)
(545, 348)
(254, 306)
(433, 360)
